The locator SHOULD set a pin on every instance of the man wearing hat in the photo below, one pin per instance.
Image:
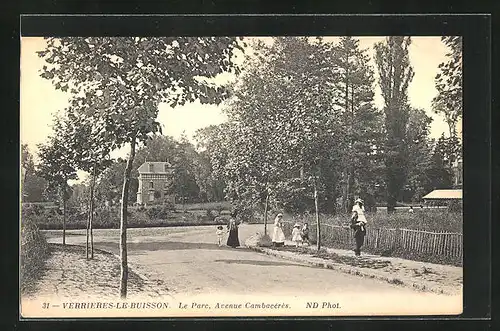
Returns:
(358, 224)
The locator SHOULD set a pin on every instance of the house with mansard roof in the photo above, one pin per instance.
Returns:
(155, 182)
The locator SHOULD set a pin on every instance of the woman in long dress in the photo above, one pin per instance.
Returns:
(278, 234)
(232, 226)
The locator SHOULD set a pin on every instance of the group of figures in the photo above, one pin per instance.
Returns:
(232, 230)
(358, 224)
(300, 233)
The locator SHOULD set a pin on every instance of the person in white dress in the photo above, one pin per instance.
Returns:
(278, 234)
(297, 235)
(358, 224)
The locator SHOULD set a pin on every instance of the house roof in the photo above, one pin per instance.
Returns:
(157, 168)
(444, 194)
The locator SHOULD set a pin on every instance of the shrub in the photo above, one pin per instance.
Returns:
(34, 252)
(158, 212)
(107, 218)
(139, 219)
(211, 214)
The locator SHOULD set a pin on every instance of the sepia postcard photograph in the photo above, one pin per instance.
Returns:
(241, 176)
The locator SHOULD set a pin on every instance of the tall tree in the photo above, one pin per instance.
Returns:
(211, 143)
(27, 158)
(57, 167)
(157, 149)
(211, 189)
(313, 142)
(80, 197)
(33, 186)
(252, 170)
(439, 175)
(354, 93)
(448, 101)
(108, 187)
(283, 132)
(420, 150)
(121, 81)
(395, 74)
(90, 150)
(185, 185)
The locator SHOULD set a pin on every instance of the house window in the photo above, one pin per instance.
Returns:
(151, 197)
(150, 167)
(151, 185)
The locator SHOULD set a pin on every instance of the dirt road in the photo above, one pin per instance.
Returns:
(188, 261)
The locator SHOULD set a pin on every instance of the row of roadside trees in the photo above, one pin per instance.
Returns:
(313, 138)
(116, 85)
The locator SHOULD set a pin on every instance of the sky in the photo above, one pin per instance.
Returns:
(40, 100)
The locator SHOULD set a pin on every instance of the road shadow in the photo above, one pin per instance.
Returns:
(260, 263)
(164, 245)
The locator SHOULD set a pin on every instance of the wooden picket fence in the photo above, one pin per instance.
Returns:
(414, 241)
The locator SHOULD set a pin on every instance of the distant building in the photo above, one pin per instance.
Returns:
(155, 181)
(444, 195)
(449, 197)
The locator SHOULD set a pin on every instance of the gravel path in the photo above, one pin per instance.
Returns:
(188, 262)
(185, 267)
(68, 274)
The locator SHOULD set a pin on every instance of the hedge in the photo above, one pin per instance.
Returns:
(34, 252)
(156, 216)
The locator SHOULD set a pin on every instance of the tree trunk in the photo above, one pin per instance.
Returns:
(92, 189)
(318, 227)
(88, 234)
(348, 191)
(350, 132)
(123, 221)
(64, 216)
(265, 213)
(391, 195)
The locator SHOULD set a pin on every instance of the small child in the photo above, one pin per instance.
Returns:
(296, 235)
(219, 233)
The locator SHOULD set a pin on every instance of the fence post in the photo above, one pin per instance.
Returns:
(446, 251)
(397, 239)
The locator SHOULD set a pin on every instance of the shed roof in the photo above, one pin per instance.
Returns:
(155, 168)
(444, 195)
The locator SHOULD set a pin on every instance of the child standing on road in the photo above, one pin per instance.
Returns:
(296, 235)
(219, 233)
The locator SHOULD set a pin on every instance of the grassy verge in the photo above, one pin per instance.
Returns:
(427, 219)
(332, 239)
(33, 255)
(348, 260)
